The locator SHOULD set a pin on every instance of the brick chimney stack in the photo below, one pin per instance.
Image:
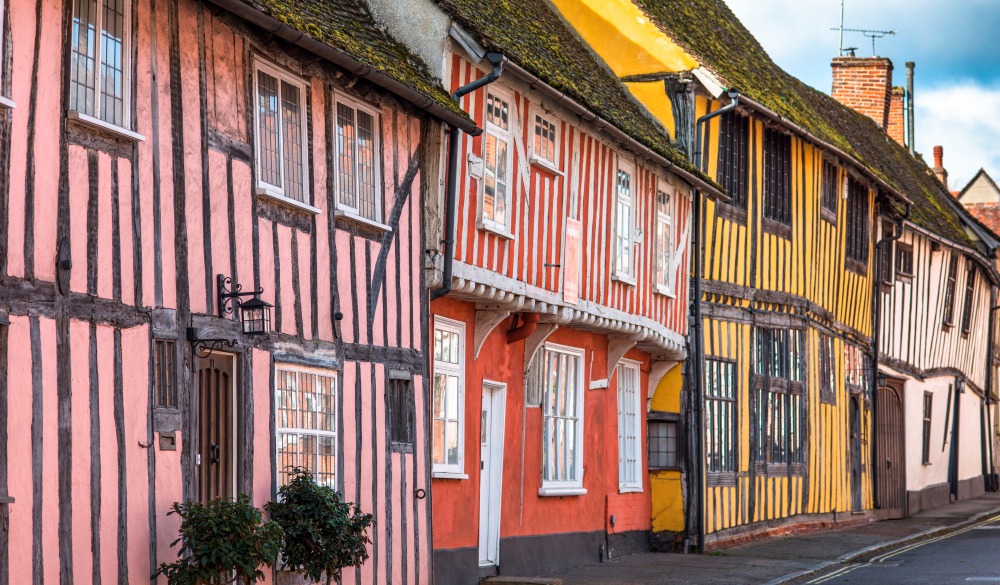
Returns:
(864, 84)
(897, 126)
(938, 169)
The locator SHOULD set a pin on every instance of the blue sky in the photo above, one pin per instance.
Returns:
(954, 44)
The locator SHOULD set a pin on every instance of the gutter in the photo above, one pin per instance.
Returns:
(347, 62)
(602, 125)
(774, 116)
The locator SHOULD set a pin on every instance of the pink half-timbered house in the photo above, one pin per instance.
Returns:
(565, 307)
(154, 155)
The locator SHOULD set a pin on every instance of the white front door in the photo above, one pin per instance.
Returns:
(491, 472)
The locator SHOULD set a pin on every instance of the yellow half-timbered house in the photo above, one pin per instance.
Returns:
(778, 413)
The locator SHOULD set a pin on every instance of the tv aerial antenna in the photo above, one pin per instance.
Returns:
(870, 33)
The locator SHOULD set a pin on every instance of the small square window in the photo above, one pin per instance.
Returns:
(904, 259)
(663, 444)
(165, 373)
(401, 407)
(544, 143)
(281, 131)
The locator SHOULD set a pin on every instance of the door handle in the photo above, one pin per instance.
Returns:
(215, 453)
(482, 465)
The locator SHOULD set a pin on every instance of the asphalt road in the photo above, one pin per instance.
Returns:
(970, 556)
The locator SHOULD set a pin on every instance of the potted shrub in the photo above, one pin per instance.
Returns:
(323, 533)
(222, 541)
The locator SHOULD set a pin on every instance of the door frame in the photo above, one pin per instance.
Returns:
(496, 392)
(236, 425)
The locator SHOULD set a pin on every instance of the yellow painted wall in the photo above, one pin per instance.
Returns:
(666, 489)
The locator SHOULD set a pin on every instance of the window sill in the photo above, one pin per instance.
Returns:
(623, 278)
(545, 165)
(561, 491)
(106, 127)
(279, 198)
(368, 223)
(665, 291)
(731, 212)
(495, 230)
(634, 489)
(829, 215)
(777, 228)
(449, 475)
(7, 103)
(859, 268)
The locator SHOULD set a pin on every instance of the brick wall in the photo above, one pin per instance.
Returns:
(864, 84)
(988, 213)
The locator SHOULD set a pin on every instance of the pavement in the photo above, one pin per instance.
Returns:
(787, 559)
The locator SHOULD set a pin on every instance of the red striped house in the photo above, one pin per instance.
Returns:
(157, 153)
(567, 303)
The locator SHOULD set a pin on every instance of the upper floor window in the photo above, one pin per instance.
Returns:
(949, 291)
(858, 226)
(665, 270)
(543, 147)
(732, 170)
(970, 296)
(904, 260)
(497, 161)
(777, 177)
(629, 428)
(856, 368)
(448, 409)
(562, 420)
(99, 70)
(281, 134)
(622, 251)
(356, 130)
(885, 253)
(306, 425)
(831, 191)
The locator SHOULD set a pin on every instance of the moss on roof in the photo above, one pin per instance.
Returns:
(531, 34)
(711, 33)
(347, 25)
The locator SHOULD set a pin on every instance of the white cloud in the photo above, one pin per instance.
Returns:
(964, 118)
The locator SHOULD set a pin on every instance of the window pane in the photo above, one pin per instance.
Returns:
(267, 129)
(291, 141)
(366, 166)
(112, 62)
(83, 57)
(306, 420)
(346, 144)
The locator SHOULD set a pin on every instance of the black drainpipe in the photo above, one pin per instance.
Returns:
(876, 333)
(991, 482)
(697, 353)
(454, 163)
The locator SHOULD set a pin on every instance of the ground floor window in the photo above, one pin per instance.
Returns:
(306, 411)
(562, 417)
(663, 444)
(925, 450)
(448, 405)
(629, 428)
(720, 416)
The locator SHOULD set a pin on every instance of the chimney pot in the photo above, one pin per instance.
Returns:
(938, 156)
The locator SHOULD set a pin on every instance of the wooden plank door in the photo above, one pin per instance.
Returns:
(216, 414)
(889, 463)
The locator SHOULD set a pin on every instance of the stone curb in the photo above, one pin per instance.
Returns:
(875, 548)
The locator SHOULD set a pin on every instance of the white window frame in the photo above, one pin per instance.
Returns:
(263, 187)
(540, 114)
(666, 276)
(565, 487)
(451, 470)
(122, 130)
(4, 102)
(635, 404)
(343, 209)
(507, 135)
(627, 276)
(278, 429)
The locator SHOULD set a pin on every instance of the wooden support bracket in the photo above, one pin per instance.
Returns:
(618, 346)
(486, 321)
(535, 341)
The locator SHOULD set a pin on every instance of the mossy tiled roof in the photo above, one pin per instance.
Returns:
(712, 34)
(348, 26)
(531, 34)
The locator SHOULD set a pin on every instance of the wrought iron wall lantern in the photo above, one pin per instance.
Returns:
(255, 314)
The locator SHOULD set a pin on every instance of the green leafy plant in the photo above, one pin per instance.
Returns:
(221, 541)
(323, 533)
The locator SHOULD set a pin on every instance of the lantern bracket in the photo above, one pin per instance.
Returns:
(227, 292)
(203, 347)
